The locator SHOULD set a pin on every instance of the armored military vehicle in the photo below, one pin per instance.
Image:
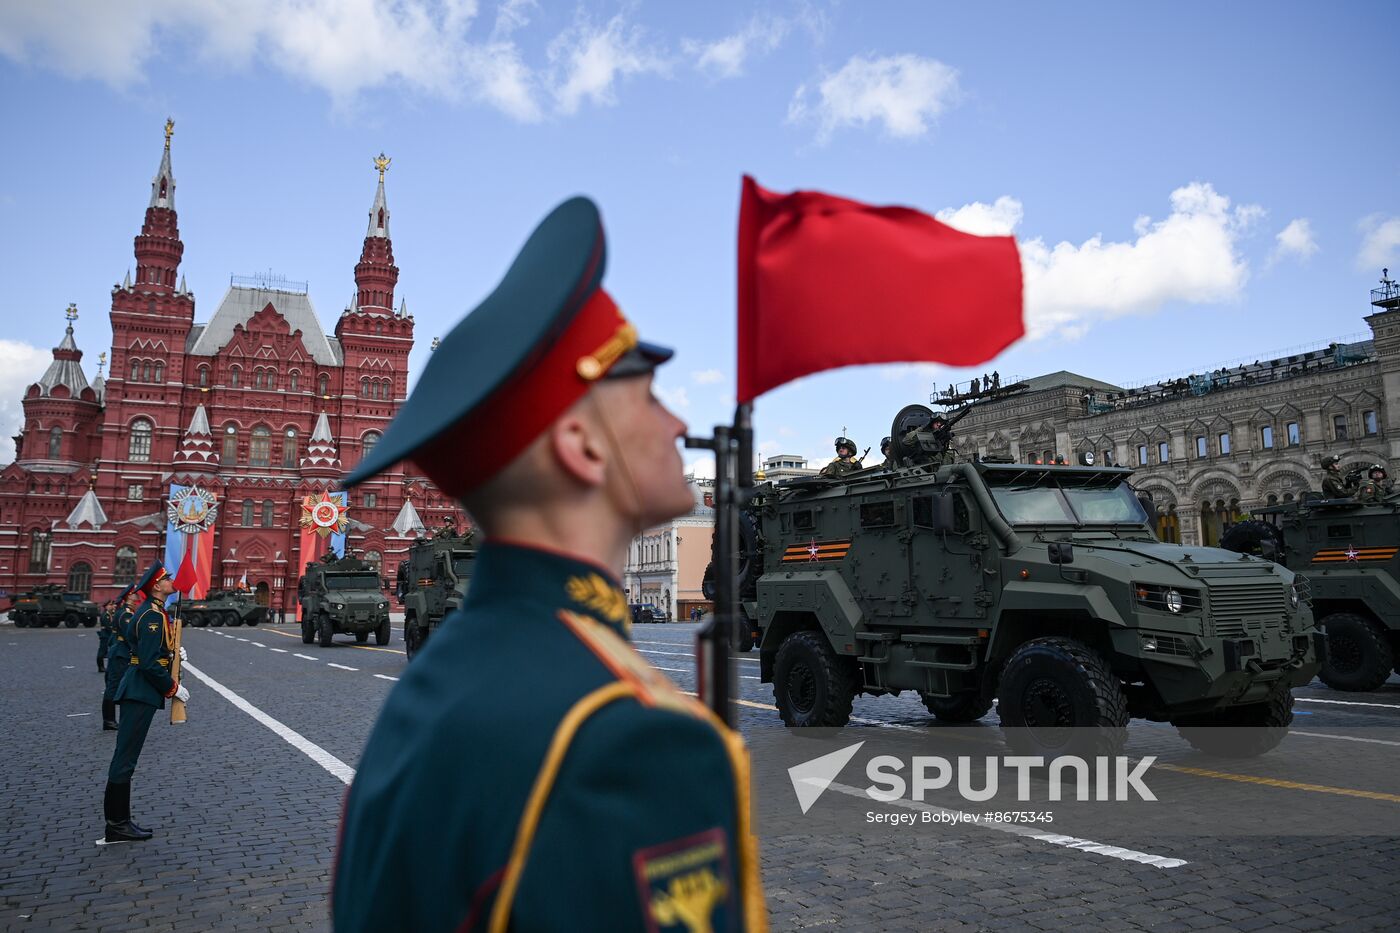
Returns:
(431, 584)
(48, 605)
(1041, 586)
(342, 596)
(1349, 552)
(224, 607)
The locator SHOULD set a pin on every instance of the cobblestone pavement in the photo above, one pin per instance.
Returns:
(246, 822)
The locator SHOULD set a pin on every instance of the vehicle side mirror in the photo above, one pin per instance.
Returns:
(944, 516)
(1061, 552)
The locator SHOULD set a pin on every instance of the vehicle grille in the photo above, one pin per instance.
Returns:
(1239, 609)
(1168, 644)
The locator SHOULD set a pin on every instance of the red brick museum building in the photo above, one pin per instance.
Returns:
(258, 405)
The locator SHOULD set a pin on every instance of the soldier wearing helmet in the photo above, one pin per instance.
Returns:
(845, 461)
(885, 452)
(1334, 485)
(1377, 484)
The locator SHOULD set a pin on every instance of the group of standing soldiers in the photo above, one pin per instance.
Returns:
(136, 648)
(1375, 486)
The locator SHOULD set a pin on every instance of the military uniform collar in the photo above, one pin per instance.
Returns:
(509, 571)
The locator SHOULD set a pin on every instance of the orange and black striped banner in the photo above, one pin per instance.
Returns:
(1342, 555)
(815, 551)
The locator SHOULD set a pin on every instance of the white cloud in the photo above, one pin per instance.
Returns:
(725, 58)
(1190, 256)
(905, 93)
(706, 377)
(587, 61)
(21, 365)
(1295, 240)
(1380, 245)
(674, 398)
(701, 467)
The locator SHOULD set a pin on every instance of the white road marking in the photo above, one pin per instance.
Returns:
(341, 666)
(1055, 839)
(278, 650)
(686, 654)
(311, 750)
(1298, 699)
(67, 667)
(258, 644)
(305, 657)
(380, 676)
(1344, 738)
(71, 715)
(686, 670)
(242, 639)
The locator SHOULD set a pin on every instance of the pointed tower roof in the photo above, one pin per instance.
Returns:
(379, 210)
(197, 453)
(87, 511)
(66, 369)
(163, 185)
(408, 520)
(321, 455)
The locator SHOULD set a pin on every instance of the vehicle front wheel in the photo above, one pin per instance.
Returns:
(232, 619)
(811, 684)
(70, 619)
(327, 631)
(1359, 656)
(382, 634)
(308, 630)
(1240, 731)
(1059, 697)
(415, 636)
(967, 706)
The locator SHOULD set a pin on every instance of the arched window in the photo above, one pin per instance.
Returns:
(293, 381)
(146, 371)
(203, 376)
(233, 376)
(289, 449)
(364, 387)
(272, 378)
(55, 442)
(367, 443)
(230, 452)
(80, 578)
(247, 513)
(260, 453)
(160, 371)
(139, 443)
(39, 546)
(373, 558)
(125, 569)
(267, 513)
(135, 370)
(325, 385)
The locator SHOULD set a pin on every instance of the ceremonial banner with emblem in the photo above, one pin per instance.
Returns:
(324, 521)
(189, 538)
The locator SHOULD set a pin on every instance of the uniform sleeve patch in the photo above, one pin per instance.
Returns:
(684, 883)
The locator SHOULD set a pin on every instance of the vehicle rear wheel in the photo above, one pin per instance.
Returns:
(1240, 731)
(383, 633)
(20, 619)
(255, 618)
(216, 620)
(1059, 697)
(1359, 656)
(967, 706)
(415, 636)
(89, 622)
(326, 629)
(811, 684)
(70, 619)
(199, 620)
(308, 630)
(361, 638)
(231, 618)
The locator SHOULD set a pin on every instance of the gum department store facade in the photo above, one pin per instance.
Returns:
(1212, 446)
(259, 405)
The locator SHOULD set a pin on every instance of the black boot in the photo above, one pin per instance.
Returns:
(109, 715)
(101, 665)
(116, 807)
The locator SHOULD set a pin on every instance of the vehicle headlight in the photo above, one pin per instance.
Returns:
(1293, 596)
(383, 605)
(340, 605)
(1173, 601)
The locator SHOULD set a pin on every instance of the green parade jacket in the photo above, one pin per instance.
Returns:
(151, 638)
(532, 771)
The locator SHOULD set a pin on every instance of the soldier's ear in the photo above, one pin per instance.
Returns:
(579, 446)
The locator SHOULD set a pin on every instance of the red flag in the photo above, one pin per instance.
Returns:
(187, 577)
(827, 282)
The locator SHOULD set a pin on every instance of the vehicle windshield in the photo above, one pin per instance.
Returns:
(358, 581)
(461, 565)
(1071, 505)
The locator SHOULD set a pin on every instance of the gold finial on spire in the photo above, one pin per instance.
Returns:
(101, 361)
(71, 314)
(169, 131)
(381, 162)
(436, 342)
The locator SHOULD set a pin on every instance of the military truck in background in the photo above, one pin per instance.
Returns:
(1041, 586)
(342, 596)
(1349, 552)
(49, 606)
(431, 583)
(224, 607)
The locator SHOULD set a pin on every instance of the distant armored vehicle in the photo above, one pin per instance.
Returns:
(48, 605)
(342, 597)
(1349, 552)
(1041, 586)
(431, 584)
(224, 607)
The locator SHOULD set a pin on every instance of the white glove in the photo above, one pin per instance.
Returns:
(182, 694)
(184, 655)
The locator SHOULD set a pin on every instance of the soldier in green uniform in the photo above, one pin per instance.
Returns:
(1334, 485)
(104, 634)
(144, 688)
(598, 797)
(885, 452)
(845, 461)
(118, 657)
(1376, 486)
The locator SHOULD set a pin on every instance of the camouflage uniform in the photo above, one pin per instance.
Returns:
(1334, 485)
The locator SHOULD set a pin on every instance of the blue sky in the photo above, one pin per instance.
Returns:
(1190, 183)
